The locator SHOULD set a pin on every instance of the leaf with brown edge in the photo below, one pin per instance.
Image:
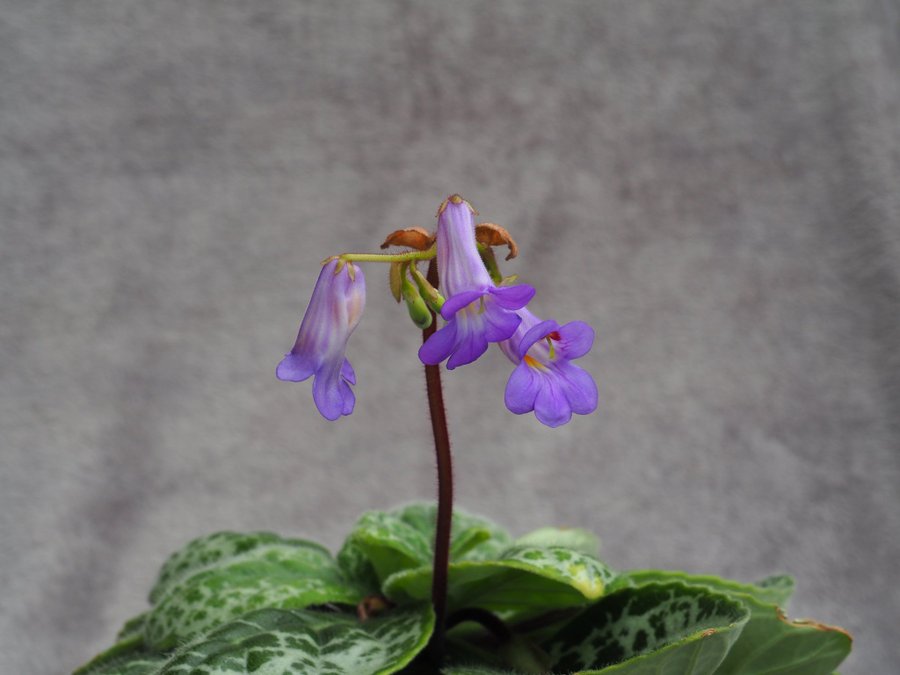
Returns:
(491, 234)
(773, 643)
(769, 642)
(411, 237)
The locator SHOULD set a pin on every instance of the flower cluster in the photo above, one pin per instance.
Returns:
(480, 308)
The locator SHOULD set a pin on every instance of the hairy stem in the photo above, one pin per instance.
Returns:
(384, 257)
(445, 491)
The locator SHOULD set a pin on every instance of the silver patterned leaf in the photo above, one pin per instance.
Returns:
(279, 641)
(658, 629)
(218, 578)
(522, 581)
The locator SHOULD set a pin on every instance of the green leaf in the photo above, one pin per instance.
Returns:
(127, 652)
(572, 538)
(404, 539)
(134, 626)
(139, 663)
(523, 581)
(663, 629)
(773, 590)
(476, 670)
(769, 642)
(389, 543)
(211, 550)
(220, 577)
(278, 641)
(779, 588)
(470, 536)
(355, 564)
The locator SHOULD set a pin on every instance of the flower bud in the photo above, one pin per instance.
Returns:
(434, 299)
(415, 304)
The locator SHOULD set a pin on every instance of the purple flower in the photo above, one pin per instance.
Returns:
(334, 310)
(476, 311)
(544, 379)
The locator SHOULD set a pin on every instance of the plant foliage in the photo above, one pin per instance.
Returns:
(264, 604)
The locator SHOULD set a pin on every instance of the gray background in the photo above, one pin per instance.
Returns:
(713, 186)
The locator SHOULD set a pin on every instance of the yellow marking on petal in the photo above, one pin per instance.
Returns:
(534, 363)
(481, 307)
(355, 309)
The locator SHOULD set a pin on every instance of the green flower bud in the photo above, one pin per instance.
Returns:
(434, 299)
(415, 304)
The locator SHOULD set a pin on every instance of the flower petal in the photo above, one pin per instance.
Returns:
(551, 406)
(439, 346)
(513, 297)
(579, 388)
(460, 300)
(349, 398)
(499, 324)
(460, 266)
(295, 368)
(535, 333)
(577, 338)
(522, 389)
(328, 395)
(471, 344)
(347, 372)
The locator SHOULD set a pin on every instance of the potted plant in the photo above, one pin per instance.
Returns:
(426, 589)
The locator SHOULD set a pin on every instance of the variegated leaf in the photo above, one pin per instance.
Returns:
(774, 590)
(279, 641)
(218, 578)
(124, 664)
(521, 582)
(476, 670)
(404, 539)
(769, 642)
(659, 629)
(388, 543)
(565, 537)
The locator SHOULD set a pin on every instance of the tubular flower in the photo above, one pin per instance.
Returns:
(334, 311)
(476, 311)
(544, 379)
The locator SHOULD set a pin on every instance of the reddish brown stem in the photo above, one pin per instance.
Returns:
(445, 490)
(487, 620)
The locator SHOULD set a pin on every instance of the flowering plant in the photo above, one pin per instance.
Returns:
(424, 588)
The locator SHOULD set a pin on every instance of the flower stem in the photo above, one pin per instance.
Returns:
(384, 257)
(445, 491)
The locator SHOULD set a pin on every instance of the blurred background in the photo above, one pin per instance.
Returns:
(713, 186)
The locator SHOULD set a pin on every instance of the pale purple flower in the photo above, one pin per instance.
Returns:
(544, 379)
(476, 311)
(334, 310)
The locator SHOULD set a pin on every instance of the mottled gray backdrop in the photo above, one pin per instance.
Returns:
(713, 186)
